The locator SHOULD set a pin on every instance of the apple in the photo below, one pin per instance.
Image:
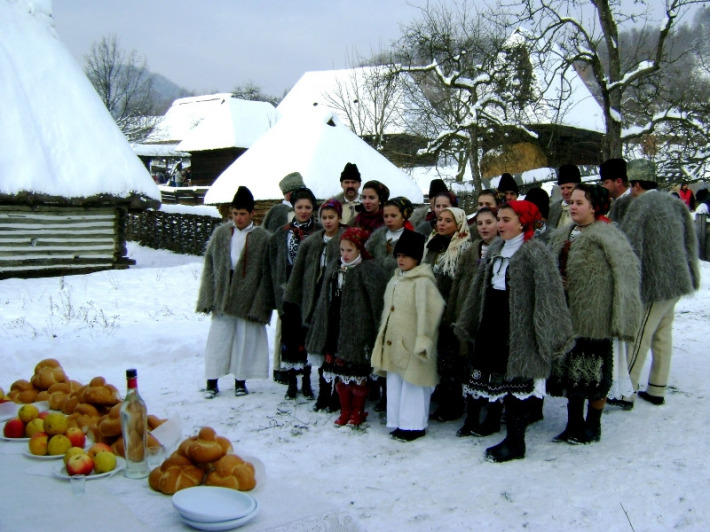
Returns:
(76, 437)
(55, 423)
(43, 414)
(14, 428)
(33, 427)
(71, 452)
(97, 448)
(104, 462)
(79, 464)
(27, 413)
(38, 444)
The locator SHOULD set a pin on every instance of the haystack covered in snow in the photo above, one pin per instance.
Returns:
(67, 174)
(318, 146)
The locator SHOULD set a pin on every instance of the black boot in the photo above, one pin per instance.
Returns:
(575, 422)
(491, 423)
(240, 388)
(324, 393)
(592, 431)
(374, 393)
(535, 405)
(381, 405)
(473, 413)
(211, 390)
(513, 446)
(334, 404)
(306, 384)
(450, 401)
(281, 376)
(292, 384)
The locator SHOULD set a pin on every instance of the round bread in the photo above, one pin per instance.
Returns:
(70, 404)
(231, 471)
(174, 474)
(154, 421)
(46, 376)
(56, 400)
(205, 448)
(47, 363)
(110, 424)
(21, 385)
(105, 394)
(43, 395)
(59, 387)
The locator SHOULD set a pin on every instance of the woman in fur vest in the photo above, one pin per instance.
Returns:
(237, 341)
(396, 213)
(347, 313)
(602, 281)
(405, 349)
(443, 250)
(279, 260)
(517, 319)
(304, 285)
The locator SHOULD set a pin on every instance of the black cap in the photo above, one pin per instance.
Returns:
(411, 244)
(131, 373)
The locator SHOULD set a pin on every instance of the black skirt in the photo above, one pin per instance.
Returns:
(586, 371)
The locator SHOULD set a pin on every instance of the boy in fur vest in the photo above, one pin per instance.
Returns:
(347, 313)
(236, 343)
(405, 349)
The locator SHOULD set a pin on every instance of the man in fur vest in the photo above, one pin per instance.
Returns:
(662, 234)
(350, 181)
(568, 176)
(236, 343)
(614, 178)
(282, 213)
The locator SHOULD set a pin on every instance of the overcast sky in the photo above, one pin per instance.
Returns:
(214, 45)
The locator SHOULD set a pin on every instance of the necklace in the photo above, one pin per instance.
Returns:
(578, 226)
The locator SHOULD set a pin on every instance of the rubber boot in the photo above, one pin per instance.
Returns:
(513, 446)
(324, 392)
(573, 433)
(357, 413)
(593, 426)
(306, 384)
(292, 384)
(381, 405)
(473, 413)
(535, 405)
(345, 396)
(211, 390)
(491, 423)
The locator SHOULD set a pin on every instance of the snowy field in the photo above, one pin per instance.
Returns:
(648, 473)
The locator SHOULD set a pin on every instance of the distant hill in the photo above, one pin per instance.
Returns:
(166, 92)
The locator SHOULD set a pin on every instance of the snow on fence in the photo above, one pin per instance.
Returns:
(60, 240)
(179, 232)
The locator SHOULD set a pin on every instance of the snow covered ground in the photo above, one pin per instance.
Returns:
(649, 472)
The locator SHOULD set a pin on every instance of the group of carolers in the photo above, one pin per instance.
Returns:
(544, 299)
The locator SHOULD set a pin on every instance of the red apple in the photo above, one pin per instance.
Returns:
(80, 464)
(97, 448)
(76, 437)
(43, 414)
(14, 428)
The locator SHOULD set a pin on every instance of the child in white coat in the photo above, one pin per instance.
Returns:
(405, 348)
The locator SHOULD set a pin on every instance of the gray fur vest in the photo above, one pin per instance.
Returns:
(662, 233)
(540, 324)
(603, 282)
(234, 294)
(360, 311)
(619, 208)
(377, 246)
(305, 280)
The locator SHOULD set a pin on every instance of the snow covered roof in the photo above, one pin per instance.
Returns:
(353, 87)
(58, 140)
(184, 115)
(316, 144)
(234, 123)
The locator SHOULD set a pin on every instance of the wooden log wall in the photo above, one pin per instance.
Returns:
(58, 240)
(178, 232)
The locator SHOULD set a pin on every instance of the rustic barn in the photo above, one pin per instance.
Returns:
(68, 177)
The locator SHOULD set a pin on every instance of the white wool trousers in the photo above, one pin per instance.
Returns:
(656, 335)
(237, 347)
(407, 404)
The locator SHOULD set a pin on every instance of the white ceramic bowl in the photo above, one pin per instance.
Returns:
(221, 525)
(212, 504)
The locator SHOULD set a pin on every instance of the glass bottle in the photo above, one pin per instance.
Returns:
(134, 423)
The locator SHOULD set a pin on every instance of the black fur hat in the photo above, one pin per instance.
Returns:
(436, 186)
(411, 244)
(613, 169)
(507, 183)
(568, 173)
(540, 198)
(350, 172)
(243, 199)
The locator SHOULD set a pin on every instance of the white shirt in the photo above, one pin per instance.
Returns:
(239, 238)
(393, 236)
(500, 263)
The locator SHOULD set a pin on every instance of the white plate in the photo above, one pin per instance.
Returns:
(42, 457)
(5, 438)
(221, 525)
(61, 472)
(213, 504)
(259, 469)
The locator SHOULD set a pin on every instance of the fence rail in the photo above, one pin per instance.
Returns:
(182, 233)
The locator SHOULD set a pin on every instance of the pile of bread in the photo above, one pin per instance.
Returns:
(203, 459)
(94, 407)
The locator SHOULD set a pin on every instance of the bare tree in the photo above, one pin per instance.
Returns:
(124, 85)
(253, 92)
(588, 33)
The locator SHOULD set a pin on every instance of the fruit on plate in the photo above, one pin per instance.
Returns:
(33, 427)
(55, 423)
(14, 428)
(71, 452)
(76, 437)
(43, 414)
(58, 444)
(38, 444)
(27, 413)
(79, 464)
(97, 448)
(104, 461)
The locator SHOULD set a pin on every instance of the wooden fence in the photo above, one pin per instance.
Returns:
(182, 233)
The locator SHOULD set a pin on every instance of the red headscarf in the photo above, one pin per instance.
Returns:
(358, 237)
(528, 213)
